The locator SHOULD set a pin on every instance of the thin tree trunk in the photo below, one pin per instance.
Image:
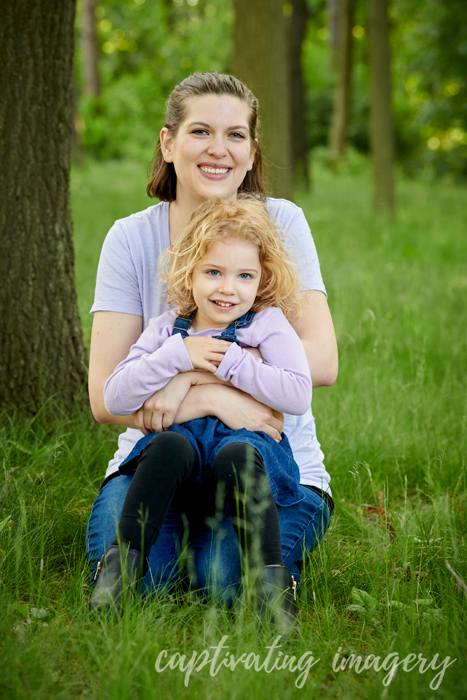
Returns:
(261, 61)
(342, 60)
(90, 50)
(381, 116)
(41, 345)
(296, 30)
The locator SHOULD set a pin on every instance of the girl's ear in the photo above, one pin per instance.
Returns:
(166, 141)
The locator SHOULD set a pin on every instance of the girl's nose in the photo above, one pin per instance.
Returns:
(227, 286)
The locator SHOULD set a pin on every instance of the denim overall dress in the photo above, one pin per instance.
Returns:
(209, 435)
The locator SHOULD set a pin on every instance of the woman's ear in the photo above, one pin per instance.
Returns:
(254, 147)
(166, 145)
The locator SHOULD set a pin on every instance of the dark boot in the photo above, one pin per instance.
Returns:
(118, 572)
(274, 597)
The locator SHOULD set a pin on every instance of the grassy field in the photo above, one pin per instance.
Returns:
(393, 430)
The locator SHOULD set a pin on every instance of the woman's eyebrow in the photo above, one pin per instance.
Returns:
(209, 126)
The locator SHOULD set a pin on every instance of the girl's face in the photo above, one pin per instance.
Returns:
(225, 283)
(212, 150)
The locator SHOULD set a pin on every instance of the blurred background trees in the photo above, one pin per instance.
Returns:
(147, 46)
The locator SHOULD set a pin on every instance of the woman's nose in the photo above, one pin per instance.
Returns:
(217, 147)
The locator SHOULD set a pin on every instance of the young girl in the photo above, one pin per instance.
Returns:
(234, 287)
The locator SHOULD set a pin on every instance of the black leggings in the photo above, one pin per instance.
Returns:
(165, 469)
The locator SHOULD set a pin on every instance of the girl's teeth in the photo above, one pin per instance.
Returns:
(221, 303)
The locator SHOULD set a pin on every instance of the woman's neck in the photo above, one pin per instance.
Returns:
(179, 217)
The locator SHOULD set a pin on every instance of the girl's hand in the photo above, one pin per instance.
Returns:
(206, 352)
(158, 412)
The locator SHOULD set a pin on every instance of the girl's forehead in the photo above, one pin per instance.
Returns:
(233, 246)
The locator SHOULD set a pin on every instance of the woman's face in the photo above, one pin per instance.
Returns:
(212, 150)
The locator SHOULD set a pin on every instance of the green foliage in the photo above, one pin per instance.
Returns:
(147, 48)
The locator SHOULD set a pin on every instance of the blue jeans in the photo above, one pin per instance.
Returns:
(213, 554)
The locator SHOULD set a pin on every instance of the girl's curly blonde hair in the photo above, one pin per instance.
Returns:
(245, 218)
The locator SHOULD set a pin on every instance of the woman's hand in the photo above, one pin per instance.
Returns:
(207, 396)
(158, 412)
(206, 352)
(239, 410)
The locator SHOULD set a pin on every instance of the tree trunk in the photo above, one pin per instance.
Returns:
(90, 50)
(381, 117)
(41, 346)
(341, 44)
(296, 29)
(260, 60)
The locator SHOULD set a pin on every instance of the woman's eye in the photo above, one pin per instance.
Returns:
(238, 135)
(199, 131)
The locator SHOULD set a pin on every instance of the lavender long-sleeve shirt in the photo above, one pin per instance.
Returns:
(281, 379)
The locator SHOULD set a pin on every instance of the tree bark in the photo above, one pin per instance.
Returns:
(341, 44)
(42, 354)
(261, 61)
(296, 30)
(381, 116)
(90, 53)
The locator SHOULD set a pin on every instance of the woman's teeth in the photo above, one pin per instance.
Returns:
(214, 171)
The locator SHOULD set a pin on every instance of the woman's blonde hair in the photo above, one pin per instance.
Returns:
(247, 219)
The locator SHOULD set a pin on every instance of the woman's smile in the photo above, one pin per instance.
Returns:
(212, 150)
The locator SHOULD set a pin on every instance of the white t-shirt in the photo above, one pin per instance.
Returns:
(128, 282)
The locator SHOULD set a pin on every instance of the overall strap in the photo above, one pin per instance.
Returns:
(230, 332)
(183, 323)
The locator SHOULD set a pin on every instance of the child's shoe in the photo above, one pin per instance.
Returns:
(118, 573)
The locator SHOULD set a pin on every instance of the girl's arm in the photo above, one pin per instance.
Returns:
(113, 334)
(153, 360)
(282, 379)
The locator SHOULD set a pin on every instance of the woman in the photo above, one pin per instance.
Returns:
(208, 148)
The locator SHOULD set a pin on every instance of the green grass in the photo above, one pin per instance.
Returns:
(392, 428)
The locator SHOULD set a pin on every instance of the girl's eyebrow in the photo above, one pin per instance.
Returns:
(211, 266)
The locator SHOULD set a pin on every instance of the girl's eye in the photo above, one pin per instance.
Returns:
(245, 276)
(213, 273)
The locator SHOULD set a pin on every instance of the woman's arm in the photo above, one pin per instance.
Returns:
(208, 397)
(282, 379)
(112, 336)
(316, 331)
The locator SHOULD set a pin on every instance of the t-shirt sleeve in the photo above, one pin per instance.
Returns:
(293, 225)
(117, 287)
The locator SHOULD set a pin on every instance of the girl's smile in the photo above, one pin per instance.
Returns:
(225, 283)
